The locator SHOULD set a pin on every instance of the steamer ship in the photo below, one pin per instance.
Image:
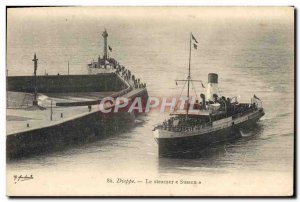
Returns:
(201, 124)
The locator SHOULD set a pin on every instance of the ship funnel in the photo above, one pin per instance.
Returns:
(212, 86)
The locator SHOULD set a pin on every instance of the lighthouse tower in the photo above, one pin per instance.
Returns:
(105, 35)
(212, 86)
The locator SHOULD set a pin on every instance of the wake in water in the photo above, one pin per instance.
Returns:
(244, 134)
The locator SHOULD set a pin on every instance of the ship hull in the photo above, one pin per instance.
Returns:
(195, 143)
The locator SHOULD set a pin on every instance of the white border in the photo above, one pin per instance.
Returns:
(5, 3)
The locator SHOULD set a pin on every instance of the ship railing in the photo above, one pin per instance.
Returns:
(183, 128)
(234, 116)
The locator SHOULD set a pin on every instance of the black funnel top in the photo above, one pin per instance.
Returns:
(212, 78)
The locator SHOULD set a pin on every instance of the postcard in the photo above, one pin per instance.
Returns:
(150, 101)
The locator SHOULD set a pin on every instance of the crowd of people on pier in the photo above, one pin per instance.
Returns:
(126, 74)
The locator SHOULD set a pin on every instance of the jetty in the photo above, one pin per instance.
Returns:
(50, 112)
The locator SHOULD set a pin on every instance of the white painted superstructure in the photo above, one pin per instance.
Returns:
(212, 86)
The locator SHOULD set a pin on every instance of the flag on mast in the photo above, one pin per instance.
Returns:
(110, 49)
(194, 38)
(256, 97)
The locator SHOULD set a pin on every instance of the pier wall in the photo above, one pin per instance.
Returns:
(76, 131)
(66, 83)
(79, 130)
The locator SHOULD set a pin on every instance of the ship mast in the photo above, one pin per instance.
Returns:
(189, 79)
(189, 76)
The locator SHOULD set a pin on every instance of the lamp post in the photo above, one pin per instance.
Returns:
(35, 102)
